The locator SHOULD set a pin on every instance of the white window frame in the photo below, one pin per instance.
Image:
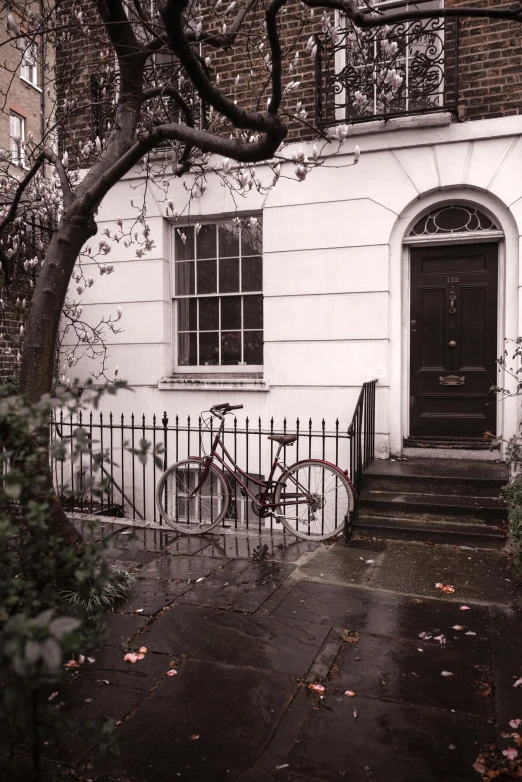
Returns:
(214, 369)
(19, 160)
(29, 71)
(340, 54)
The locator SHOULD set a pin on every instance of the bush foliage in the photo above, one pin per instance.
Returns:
(52, 595)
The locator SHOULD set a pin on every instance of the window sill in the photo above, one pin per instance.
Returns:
(216, 383)
(30, 84)
(411, 122)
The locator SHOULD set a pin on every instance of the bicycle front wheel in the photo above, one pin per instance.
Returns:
(188, 513)
(314, 500)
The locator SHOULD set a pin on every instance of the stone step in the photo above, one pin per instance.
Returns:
(429, 529)
(434, 500)
(410, 505)
(437, 476)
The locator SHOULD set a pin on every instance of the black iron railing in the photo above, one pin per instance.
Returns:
(130, 484)
(362, 440)
(390, 71)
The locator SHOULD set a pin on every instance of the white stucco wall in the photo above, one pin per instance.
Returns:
(335, 275)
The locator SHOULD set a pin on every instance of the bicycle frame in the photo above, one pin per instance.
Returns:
(265, 485)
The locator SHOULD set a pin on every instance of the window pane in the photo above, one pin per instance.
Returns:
(229, 275)
(185, 278)
(252, 312)
(209, 348)
(230, 347)
(187, 355)
(228, 239)
(187, 309)
(208, 314)
(206, 277)
(231, 312)
(253, 347)
(251, 239)
(251, 274)
(184, 243)
(206, 242)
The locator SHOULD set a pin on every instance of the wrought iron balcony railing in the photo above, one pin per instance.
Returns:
(391, 71)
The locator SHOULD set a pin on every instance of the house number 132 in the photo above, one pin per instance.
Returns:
(453, 279)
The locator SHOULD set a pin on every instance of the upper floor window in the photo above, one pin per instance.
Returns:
(218, 288)
(17, 138)
(387, 71)
(29, 65)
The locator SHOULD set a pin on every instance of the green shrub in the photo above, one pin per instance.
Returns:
(52, 595)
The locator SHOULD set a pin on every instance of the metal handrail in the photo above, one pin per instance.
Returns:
(362, 441)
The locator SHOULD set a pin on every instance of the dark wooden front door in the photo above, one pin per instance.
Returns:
(453, 340)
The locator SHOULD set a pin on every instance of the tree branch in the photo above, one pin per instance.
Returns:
(10, 216)
(64, 181)
(362, 19)
(277, 54)
(172, 92)
(242, 151)
(172, 15)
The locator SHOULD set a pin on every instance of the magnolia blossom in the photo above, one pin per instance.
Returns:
(341, 132)
(120, 312)
(300, 172)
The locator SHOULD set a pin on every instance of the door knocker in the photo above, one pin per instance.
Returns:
(452, 300)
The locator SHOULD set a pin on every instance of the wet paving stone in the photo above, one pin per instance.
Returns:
(241, 585)
(231, 711)
(179, 568)
(122, 627)
(421, 567)
(411, 673)
(128, 554)
(142, 539)
(341, 564)
(267, 643)
(150, 595)
(94, 528)
(387, 742)
(188, 544)
(109, 664)
(83, 699)
(384, 613)
(505, 637)
(280, 548)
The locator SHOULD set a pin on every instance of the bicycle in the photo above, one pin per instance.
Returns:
(313, 499)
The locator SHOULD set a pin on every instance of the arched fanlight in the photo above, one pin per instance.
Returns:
(452, 219)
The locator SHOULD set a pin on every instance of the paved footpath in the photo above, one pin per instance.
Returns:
(247, 639)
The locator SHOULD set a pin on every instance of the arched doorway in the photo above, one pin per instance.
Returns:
(454, 264)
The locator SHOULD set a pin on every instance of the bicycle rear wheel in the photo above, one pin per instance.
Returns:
(192, 514)
(314, 500)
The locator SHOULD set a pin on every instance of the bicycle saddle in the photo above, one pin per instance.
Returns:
(283, 439)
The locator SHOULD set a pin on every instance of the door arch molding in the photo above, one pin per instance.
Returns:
(508, 308)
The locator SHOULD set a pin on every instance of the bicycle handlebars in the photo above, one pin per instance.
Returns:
(225, 408)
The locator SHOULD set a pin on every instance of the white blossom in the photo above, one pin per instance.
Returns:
(300, 172)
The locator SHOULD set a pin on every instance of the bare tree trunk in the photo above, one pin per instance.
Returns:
(39, 354)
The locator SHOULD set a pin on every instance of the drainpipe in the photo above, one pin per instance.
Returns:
(42, 71)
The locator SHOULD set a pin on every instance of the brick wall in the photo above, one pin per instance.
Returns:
(25, 99)
(490, 61)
